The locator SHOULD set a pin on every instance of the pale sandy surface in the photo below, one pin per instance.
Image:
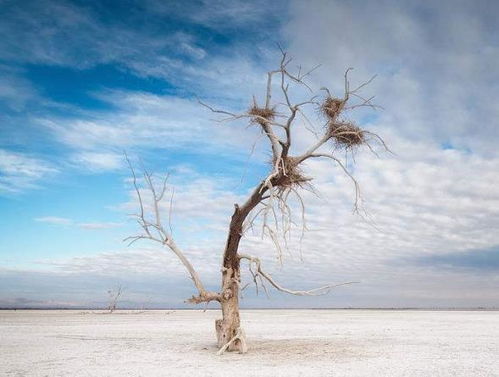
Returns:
(282, 343)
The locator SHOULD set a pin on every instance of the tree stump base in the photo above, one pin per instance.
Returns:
(227, 340)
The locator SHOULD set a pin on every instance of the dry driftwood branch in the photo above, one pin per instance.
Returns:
(312, 292)
(154, 231)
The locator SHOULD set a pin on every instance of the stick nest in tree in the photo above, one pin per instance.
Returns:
(332, 107)
(346, 134)
(261, 114)
(290, 175)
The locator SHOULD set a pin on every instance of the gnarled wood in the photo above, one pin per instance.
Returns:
(230, 324)
(276, 121)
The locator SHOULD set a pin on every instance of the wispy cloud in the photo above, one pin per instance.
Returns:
(138, 119)
(221, 15)
(66, 34)
(54, 220)
(98, 161)
(476, 260)
(19, 171)
(96, 226)
(15, 90)
(431, 210)
(134, 261)
(144, 120)
(436, 80)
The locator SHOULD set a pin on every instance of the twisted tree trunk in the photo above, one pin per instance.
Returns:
(284, 179)
(229, 331)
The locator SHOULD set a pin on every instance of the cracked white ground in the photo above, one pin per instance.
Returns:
(281, 343)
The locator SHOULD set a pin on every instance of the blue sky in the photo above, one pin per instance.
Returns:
(83, 82)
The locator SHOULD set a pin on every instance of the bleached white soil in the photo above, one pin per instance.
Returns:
(282, 343)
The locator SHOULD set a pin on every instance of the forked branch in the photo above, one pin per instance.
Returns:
(286, 175)
(258, 272)
(154, 230)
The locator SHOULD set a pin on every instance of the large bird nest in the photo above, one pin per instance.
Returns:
(332, 107)
(346, 134)
(261, 115)
(289, 175)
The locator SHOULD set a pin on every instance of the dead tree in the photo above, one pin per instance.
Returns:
(114, 296)
(269, 201)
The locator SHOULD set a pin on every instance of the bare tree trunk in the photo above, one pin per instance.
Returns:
(228, 328)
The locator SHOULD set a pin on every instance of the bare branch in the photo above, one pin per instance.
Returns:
(380, 140)
(312, 292)
(345, 170)
(268, 97)
(346, 84)
(170, 211)
(365, 83)
(216, 110)
(114, 296)
(163, 236)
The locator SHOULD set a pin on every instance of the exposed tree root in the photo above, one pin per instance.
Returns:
(239, 337)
